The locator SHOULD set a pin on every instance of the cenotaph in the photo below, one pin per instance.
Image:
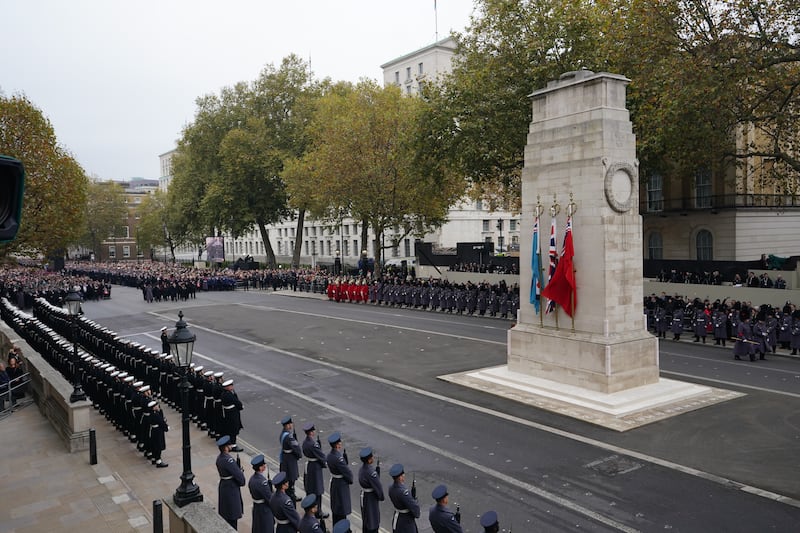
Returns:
(601, 364)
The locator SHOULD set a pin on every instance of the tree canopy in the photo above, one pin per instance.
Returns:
(55, 186)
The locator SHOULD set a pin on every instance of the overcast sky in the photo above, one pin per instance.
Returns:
(118, 79)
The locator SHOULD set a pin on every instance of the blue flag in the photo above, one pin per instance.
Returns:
(536, 280)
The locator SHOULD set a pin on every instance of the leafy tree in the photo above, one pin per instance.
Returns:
(155, 224)
(106, 213)
(55, 186)
(376, 182)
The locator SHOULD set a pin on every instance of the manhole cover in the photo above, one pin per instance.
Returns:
(614, 465)
(320, 373)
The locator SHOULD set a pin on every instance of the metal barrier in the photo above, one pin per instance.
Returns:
(9, 401)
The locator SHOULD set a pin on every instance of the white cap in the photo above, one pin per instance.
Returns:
(227, 382)
(151, 404)
(145, 388)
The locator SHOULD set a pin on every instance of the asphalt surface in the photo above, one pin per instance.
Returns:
(371, 373)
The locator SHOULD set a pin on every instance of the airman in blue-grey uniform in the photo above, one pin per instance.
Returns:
(406, 507)
(371, 491)
(315, 462)
(442, 519)
(231, 479)
(286, 518)
(289, 455)
(341, 478)
(261, 491)
(309, 522)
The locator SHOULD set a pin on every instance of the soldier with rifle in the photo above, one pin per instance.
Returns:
(289, 455)
(442, 519)
(406, 507)
(315, 462)
(261, 491)
(371, 491)
(341, 478)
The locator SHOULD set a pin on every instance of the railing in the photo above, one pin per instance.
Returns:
(721, 201)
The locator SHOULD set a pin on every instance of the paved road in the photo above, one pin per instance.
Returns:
(371, 373)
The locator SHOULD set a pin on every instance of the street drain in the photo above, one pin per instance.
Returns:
(614, 465)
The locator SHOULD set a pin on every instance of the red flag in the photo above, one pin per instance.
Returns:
(561, 287)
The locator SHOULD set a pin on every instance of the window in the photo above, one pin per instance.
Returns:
(327, 247)
(112, 252)
(397, 77)
(306, 245)
(347, 229)
(355, 230)
(479, 205)
(126, 251)
(705, 245)
(346, 250)
(512, 225)
(500, 243)
(702, 188)
(280, 248)
(408, 73)
(486, 225)
(313, 247)
(408, 247)
(314, 231)
(419, 69)
(305, 231)
(125, 232)
(655, 246)
(355, 247)
(655, 193)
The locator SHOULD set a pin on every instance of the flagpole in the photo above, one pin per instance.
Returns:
(572, 208)
(555, 209)
(539, 209)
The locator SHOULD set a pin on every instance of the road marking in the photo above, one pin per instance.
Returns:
(365, 322)
(505, 416)
(731, 383)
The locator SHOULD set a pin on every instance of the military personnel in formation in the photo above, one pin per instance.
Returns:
(164, 340)
(677, 321)
(442, 519)
(761, 336)
(315, 462)
(719, 319)
(794, 343)
(371, 491)
(700, 321)
(406, 508)
(216, 391)
(489, 522)
(261, 490)
(231, 479)
(286, 518)
(341, 478)
(231, 422)
(309, 522)
(289, 455)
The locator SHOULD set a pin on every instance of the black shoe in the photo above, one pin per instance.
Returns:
(236, 448)
(323, 516)
(737, 357)
(162, 465)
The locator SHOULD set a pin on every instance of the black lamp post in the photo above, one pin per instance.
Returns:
(181, 344)
(73, 303)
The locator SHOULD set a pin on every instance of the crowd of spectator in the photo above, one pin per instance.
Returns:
(763, 281)
(485, 268)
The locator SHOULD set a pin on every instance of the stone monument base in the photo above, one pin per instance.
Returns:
(619, 411)
(601, 363)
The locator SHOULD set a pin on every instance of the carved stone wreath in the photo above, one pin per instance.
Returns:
(620, 183)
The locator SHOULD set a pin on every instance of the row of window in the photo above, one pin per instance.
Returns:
(702, 191)
(420, 72)
(499, 225)
(126, 252)
(703, 241)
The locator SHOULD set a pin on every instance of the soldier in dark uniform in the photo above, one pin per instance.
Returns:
(371, 492)
(215, 430)
(406, 508)
(744, 339)
(794, 343)
(677, 321)
(489, 522)
(761, 335)
(164, 340)
(286, 518)
(309, 522)
(231, 479)
(261, 491)
(441, 518)
(158, 426)
(700, 321)
(315, 462)
(341, 478)
(208, 400)
(289, 455)
(231, 417)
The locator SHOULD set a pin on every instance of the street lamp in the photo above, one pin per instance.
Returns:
(73, 303)
(181, 344)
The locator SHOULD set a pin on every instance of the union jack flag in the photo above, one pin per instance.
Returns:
(553, 253)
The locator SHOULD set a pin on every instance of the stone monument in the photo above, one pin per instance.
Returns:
(601, 363)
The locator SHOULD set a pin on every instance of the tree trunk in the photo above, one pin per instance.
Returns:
(267, 245)
(298, 237)
(364, 235)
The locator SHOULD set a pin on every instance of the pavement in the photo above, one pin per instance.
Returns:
(45, 488)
